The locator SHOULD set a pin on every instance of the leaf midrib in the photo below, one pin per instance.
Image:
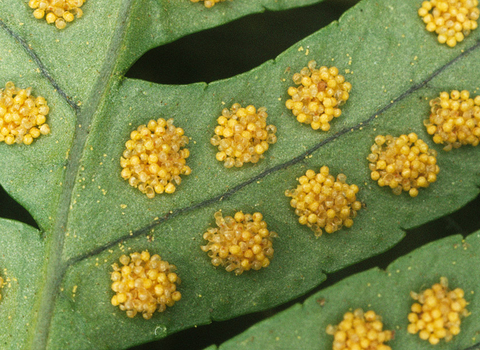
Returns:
(55, 266)
(173, 213)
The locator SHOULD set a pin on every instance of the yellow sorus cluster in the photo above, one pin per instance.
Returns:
(455, 119)
(242, 135)
(57, 11)
(318, 96)
(1, 285)
(452, 20)
(155, 157)
(208, 3)
(320, 201)
(437, 315)
(144, 284)
(239, 243)
(359, 331)
(403, 163)
(22, 116)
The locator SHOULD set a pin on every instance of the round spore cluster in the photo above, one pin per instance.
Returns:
(452, 20)
(155, 157)
(144, 284)
(208, 3)
(360, 331)
(242, 135)
(323, 202)
(403, 163)
(318, 95)
(239, 243)
(22, 116)
(454, 119)
(59, 12)
(438, 312)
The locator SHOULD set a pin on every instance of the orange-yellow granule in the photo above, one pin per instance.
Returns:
(22, 116)
(59, 12)
(155, 157)
(454, 119)
(321, 201)
(452, 20)
(208, 3)
(242, 135)
(144, 284)
(239, 243)
(437, 315)
(360, 331)
(318, 96)
(403, 163)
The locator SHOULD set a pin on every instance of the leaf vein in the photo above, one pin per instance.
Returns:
(55, 265)
(40, 65)
(474, 347)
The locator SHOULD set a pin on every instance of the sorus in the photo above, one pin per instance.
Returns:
(454, 119)
(360, 330)
(324, 202)
(155, 157)
(22, 116)
(242, 135)
(403, 163)
(144, 284)
(452, 20)
(239, 243)
(319, 93)
(437, 313)
(59, 12)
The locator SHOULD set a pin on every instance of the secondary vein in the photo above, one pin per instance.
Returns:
(40, 65)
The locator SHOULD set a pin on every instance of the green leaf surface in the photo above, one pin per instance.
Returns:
(387, 292)
(70, 180)
(21, 260)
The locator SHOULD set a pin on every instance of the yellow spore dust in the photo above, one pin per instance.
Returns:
(155, 157)
(144, 284)
(22, 116)
(208, 3)
(438, 312)
(454, 119)
(324, 202)
(360, 331)
(318, 95)
(242, 135)
(452, 20)
(239, 243)
(59, 12)
(403, 163)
